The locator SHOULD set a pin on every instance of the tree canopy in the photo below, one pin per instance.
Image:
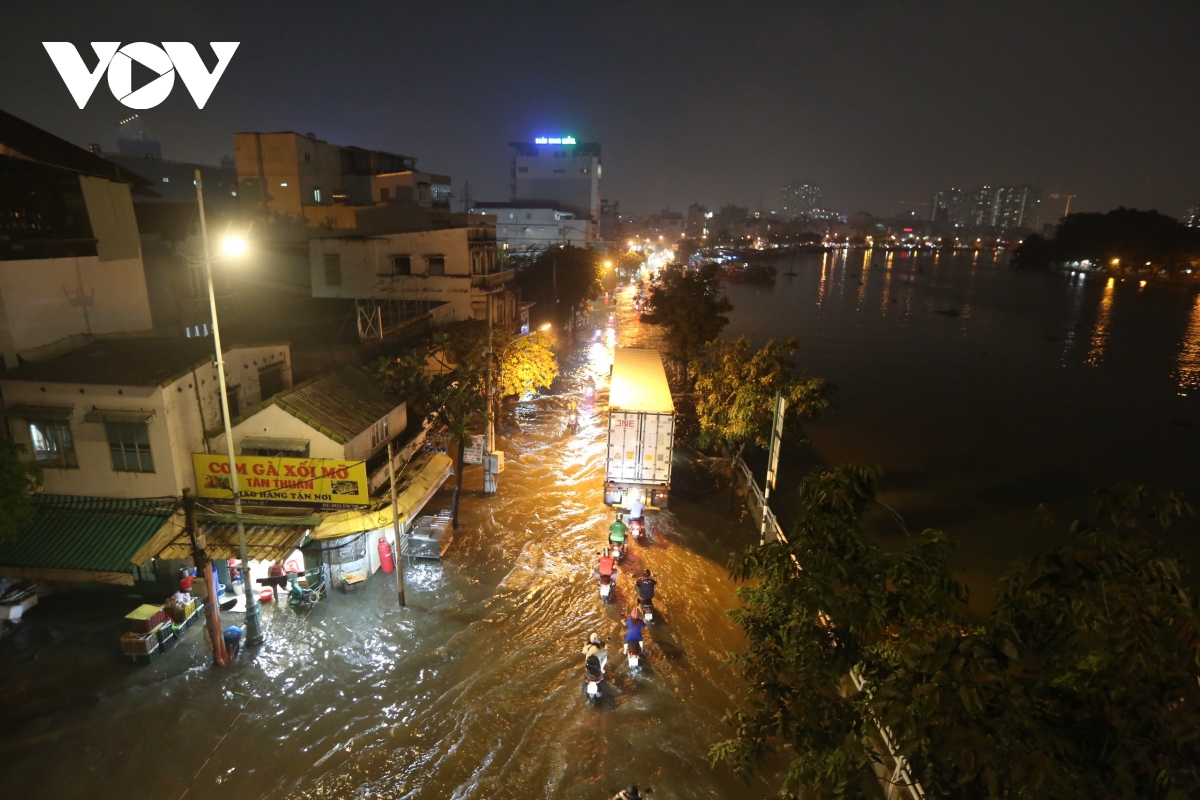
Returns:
(736, 387)
(691, 307)
(18, 481)
(578, 278)
(1130, 236)
(526, 365)
(1081, 683)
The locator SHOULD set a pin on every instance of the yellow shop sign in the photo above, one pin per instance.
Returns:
(271, 480)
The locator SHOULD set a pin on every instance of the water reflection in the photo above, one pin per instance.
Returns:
(1189, 356)
(1100, 332)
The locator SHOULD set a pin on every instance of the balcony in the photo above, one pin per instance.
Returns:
(492, 280)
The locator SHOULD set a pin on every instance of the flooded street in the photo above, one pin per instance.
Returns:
(473, 691)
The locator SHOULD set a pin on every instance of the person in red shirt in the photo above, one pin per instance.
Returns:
(185, 580)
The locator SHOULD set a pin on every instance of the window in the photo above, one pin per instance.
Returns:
(528, 215)
(317, 195)
(384, 195)
(584, 170)
(522, 169)
(402, 265)
(333, 269)
(379, 433)
(307, 157)
(561, 154)
(166, 179)
(270, 380)
(129, 445)
(436, 265)
(284, 185)
(52, 444)
(561, 170)
(233, 397)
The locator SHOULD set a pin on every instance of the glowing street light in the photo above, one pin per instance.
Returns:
(234, 246)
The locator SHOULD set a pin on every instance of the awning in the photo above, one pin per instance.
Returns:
(267, 538)
(275, 445)
(415, 484)
(48, 413)
(87, 539)
(104, 415)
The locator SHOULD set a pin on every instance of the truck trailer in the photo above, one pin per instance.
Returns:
(641, 430)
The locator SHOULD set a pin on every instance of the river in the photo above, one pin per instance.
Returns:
(983, 391)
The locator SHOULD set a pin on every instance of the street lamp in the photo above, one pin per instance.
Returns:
(232, 245)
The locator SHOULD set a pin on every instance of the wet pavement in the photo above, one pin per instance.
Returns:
(473, 691)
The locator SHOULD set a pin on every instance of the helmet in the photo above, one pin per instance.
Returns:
(595, 639)
(645, 573)
(618, 517)
(636, 613)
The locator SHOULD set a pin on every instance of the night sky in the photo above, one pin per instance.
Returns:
(880, 102)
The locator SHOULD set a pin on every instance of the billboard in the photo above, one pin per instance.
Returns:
(273, 480)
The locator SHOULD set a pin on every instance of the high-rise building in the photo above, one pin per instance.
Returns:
(560, 172)
(948, 206)
(698, 217)
(1006, 207)
(1192, 217)
(800, 197)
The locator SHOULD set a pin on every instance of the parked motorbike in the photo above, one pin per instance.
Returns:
(312, 592)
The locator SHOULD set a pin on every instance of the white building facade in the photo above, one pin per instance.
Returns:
(529, 229)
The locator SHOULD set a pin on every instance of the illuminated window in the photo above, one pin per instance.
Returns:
(316, 195)
(52, 444)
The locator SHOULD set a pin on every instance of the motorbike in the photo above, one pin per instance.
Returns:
(593, 669)
(635, 653)
(616, 550)
(605, 576)
(637, 529)
(597, 334)
(573, 422)
(648, 612)
(589, 390)
(312, 592)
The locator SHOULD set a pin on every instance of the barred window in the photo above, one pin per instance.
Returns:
(52, 444)
(129, 444)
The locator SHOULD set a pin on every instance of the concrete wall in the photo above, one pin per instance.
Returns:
(44, 300)
(524, 229)
(371, 441)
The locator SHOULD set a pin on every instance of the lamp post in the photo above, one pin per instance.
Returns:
(254, 634)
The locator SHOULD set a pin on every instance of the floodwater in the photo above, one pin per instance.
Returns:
(983, 391)
(473, 691)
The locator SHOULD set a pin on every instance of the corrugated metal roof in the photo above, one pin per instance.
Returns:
(639, 382)
(342, 403)
(85, 533)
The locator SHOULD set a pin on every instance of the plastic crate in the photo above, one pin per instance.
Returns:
(139, 644)
(146, 618)
(145, 658)
(163, 631)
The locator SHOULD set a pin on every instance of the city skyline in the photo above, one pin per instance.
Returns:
(875, 123)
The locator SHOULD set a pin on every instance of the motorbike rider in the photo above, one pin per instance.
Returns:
(605, 567)
(645, 587)
(631, 793)
(636, 508)
(595, 647)
(634, 624)
(617, 531)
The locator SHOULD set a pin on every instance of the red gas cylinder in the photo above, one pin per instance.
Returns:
(385, 555)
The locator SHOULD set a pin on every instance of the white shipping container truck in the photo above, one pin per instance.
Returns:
(641, 430)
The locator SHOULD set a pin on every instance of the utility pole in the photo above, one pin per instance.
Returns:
(772, 463)
(399, 554)
(489, 437)
(253, 623)
(212, 608)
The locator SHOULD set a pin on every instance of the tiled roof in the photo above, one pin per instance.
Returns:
(341, 404)
(90, 534)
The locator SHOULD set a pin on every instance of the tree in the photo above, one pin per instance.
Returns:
(692, 308)
(575, 271)
(1131, 237)
(457, 401)
(736, 388)
(1081, 683)
(527, 364)
(19, 480)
